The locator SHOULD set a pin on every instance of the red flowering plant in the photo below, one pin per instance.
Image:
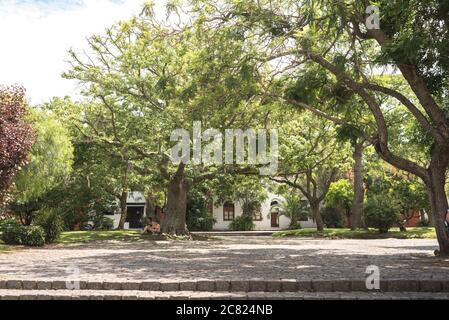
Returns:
(16, 135)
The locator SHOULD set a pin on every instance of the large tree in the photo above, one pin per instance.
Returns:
(16, 135)
(104, 167)
(311, 157)
(147, 79)
(340, 38)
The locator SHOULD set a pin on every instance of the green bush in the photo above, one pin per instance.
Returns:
(8, 223)
(12, 234)
(102, 223)
(21, 235)
(381, 212)
(332, 218)
(198, 216)
(423, 223)
(242, 224)
(33, 236)
(52, 224)
(204, 223)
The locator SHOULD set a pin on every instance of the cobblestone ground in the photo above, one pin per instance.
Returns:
(232, 258)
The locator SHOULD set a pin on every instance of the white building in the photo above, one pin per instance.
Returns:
(136, 205)
(269, 217)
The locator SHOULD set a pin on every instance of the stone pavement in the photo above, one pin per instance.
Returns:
(233, 258)
(189, 295)
(234, 267)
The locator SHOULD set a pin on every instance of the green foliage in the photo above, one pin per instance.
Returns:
(12, 233)
(50, 165)
(332, 218)
(340, 195)
(343, 233)
(33, 236)
(242, 224)
(198, 217)
(7, 223)
(51, 159)
(102, 223)
(24, 235)
(381, 212)
(408, 192)
(295, 209)
(423, 223)
(204, 223)
(418, 30)
(250, 192)
(51, 222)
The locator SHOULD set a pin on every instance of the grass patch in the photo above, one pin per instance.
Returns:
(411, 233)
(122, 235)
(4, 248)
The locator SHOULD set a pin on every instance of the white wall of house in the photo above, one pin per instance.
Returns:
(265, 223)
(134, 198)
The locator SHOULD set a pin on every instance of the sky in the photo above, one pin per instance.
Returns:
(35, 36)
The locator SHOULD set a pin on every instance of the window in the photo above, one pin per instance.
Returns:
(228, 211)
(257, 216)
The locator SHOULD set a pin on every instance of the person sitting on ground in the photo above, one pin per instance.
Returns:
(156, 228)
(148, 226)
(152, 227)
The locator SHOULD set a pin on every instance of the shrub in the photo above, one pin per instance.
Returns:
(332, 218)
(381, 212)
(12, 234)
(8, 223)
(21, 235)
(198, 215)
(242, 224)
(204, 223)
(295, 209)
(423, 223)
(294, 225)
(33, 236)
(52, 224)
(103, 223)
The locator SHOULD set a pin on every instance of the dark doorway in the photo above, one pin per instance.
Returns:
(134, 216)
(274, 220)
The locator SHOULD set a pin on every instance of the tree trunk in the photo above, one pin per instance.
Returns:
(294, 220)
(317, 216)
(123, 210)
(439, 206)
(150, 207)
(175, 218)
(359, 192)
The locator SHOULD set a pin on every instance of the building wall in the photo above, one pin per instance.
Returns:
(135, 197)
(264, 224)
(412, 219)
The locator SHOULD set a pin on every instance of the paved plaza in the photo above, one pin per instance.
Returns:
(232, 258)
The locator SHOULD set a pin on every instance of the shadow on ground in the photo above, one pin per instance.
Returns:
(236, 258)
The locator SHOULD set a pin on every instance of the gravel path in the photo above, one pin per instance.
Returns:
(233, 258)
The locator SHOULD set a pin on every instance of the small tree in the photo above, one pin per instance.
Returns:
(381, 212)
(340, 197)
(295, 209)
(16, 135)
(50, 163)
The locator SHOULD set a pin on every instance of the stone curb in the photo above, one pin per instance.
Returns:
(205, 295)
(283, 285)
